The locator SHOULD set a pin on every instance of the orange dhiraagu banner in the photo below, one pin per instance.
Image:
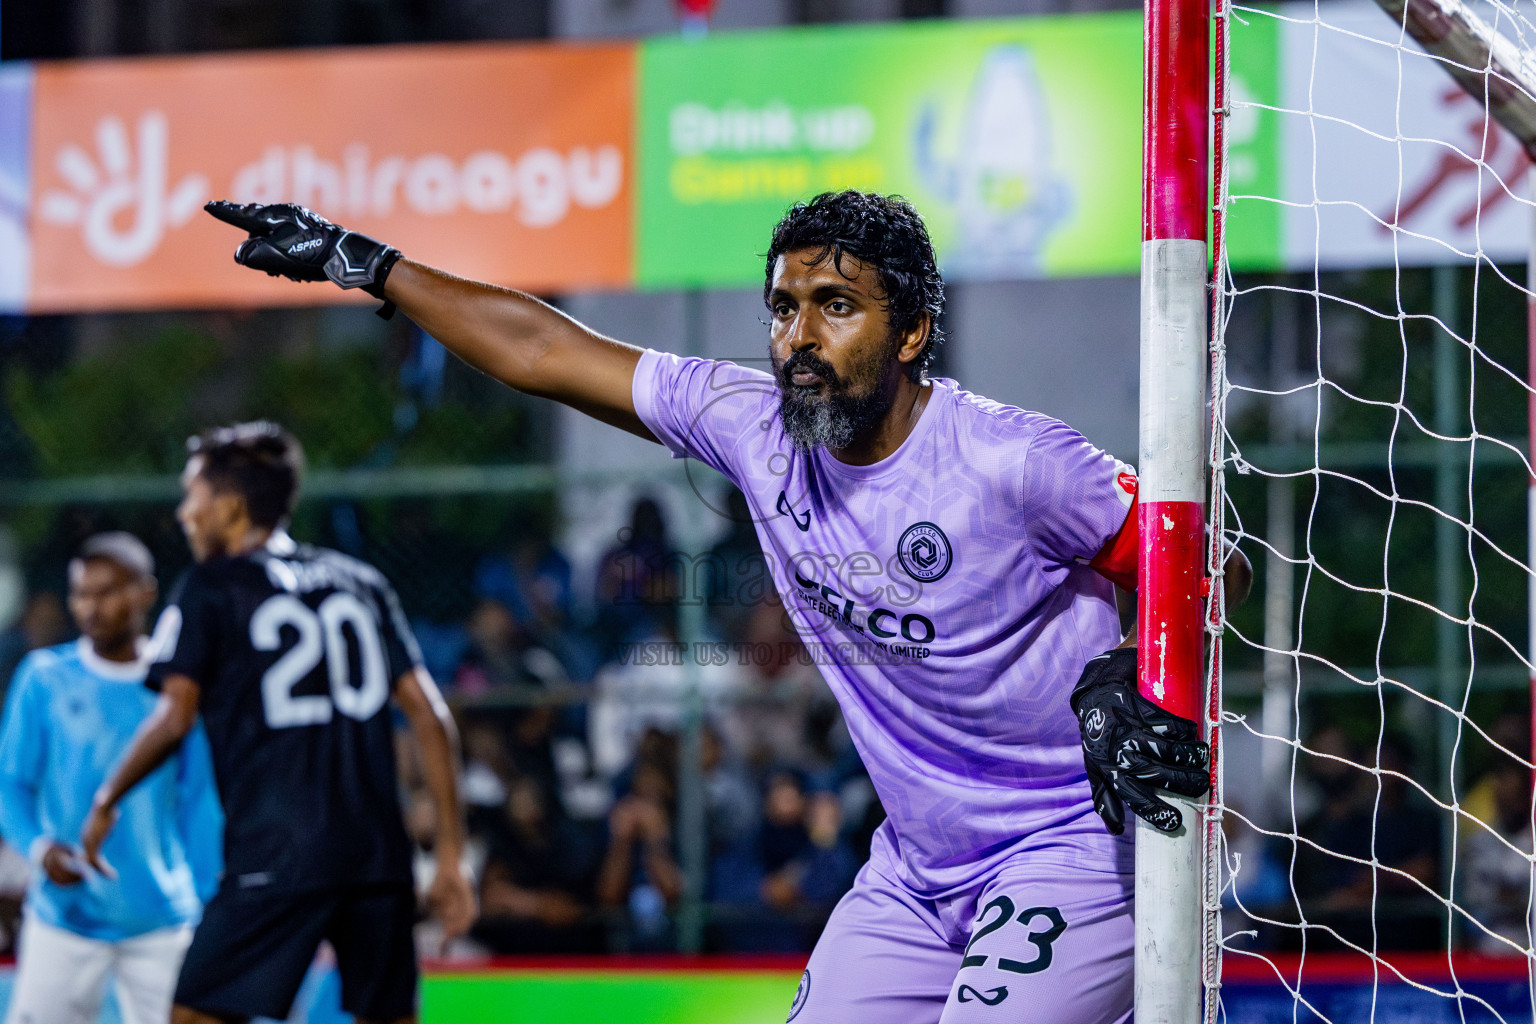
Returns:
(510, 164)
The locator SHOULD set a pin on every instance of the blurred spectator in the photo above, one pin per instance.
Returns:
(1324, 881)
(501, 656)
(487, 771)
(1328, 776)
(421, 825)
(731, 799)
(1510, 731)
(785, 713)
(1407, 832)
(15, 873)
(532, 580)
(786, 878)
(420, 812)
(737, 581)
(1394, 826)
(639, 872)
(503, 745)
(42, 624)
(530, 749)
(647, 689)
(636, 590)
(1496, 865)
(443, 647)
(536, 886)
(807, 864)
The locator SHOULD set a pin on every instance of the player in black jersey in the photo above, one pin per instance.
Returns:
(291, 654)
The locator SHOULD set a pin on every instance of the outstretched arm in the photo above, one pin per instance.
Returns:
(522, 342)
(157, 739)
(451, 897)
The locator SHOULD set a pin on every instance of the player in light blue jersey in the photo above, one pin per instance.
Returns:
(70, 714)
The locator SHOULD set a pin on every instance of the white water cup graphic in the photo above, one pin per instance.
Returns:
(120, 198)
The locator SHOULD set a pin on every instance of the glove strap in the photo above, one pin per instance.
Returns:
(360, 262)
(386, 263)
(1115, 667)
(376, 287)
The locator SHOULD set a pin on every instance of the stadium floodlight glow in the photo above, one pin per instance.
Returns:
(1175, 261)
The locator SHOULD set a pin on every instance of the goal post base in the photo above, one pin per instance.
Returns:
(1169, 920)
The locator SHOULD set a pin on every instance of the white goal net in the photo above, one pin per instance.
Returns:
(1370, 457)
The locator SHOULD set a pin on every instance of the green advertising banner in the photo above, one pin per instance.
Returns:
(611, 996)
(1254, 239)
(1018, 140)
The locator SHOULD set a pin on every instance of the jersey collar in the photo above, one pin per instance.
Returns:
(117, 671)
(942, 392)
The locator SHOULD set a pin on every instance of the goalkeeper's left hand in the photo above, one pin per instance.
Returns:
(1131, 746)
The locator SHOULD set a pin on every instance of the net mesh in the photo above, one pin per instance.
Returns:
(1369, 457)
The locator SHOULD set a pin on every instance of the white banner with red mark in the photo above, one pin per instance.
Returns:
(1352, 148)
(1349, 148)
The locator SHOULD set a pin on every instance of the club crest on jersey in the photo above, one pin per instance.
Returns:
(925, 552)
(801, 994)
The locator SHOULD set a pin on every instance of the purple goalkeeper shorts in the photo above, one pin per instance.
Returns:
(1029, 944)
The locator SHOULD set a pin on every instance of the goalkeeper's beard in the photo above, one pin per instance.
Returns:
(837, 412)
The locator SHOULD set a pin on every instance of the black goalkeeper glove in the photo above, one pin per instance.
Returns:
(290, 241)
(1132, 747)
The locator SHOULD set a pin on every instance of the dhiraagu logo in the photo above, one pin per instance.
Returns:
(119, 196)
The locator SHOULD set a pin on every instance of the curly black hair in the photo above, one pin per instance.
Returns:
(259, 461)
(884, 231)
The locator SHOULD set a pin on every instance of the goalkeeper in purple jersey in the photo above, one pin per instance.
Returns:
(948, 560)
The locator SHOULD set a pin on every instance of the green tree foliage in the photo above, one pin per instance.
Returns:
(1365, 391)
(130, 407)
(123, 410)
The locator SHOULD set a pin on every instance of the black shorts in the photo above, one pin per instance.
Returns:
(250, 952)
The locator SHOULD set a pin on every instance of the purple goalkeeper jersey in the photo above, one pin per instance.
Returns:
(945, 594)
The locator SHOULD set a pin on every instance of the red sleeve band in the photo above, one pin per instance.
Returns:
(1116, 561)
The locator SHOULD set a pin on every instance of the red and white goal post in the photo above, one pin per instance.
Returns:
(1173, 468)
(1187, 445)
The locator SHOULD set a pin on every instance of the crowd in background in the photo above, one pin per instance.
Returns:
(1357, 845)
(572, 720)
(573, 732)
(574, 714)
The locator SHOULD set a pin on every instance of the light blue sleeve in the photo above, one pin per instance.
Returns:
(199, 815)
(23, 756)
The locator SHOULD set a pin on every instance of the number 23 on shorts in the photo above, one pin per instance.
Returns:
(1045, 926)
